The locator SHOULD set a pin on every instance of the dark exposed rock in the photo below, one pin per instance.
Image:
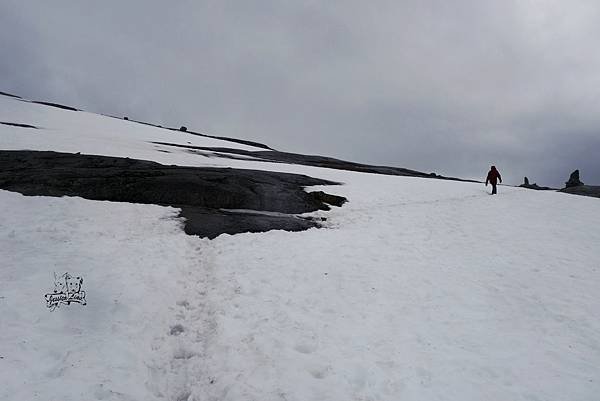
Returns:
(126, 118)
(10, 95)
(18, 125)
(201, 193)
(240, 141)
(576, 187)
(583, 190)
(182, 128)
(313, 160)
(526, 184)
(327, 198)
(211, 223)
(60, 106)
(573, 180)
(234, 140)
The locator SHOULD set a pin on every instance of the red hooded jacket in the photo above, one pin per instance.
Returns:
(493, 176)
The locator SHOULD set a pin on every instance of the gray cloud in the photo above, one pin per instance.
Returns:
(433, 85)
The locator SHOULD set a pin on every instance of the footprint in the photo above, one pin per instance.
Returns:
(424, 376)
(183, 396)
(176, 330)
(183, 353)
(305, 348)
(320, 372)
(101, 392)
(184, 303)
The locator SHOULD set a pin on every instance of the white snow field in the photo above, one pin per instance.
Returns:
(418, 289)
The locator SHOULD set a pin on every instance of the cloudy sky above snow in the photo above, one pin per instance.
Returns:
(445, 86)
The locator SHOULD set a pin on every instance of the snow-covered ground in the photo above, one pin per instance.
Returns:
(418, 290)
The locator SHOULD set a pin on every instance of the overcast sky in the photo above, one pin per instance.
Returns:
(444, 86)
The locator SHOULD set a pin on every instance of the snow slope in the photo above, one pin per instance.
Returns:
(80, 131)
(419, 290)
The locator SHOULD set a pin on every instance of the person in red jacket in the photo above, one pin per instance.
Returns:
(492, 178)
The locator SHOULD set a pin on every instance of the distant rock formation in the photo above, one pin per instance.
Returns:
(573, 180)
(526, 184)
(576, 187)
(183, 128)
(583, 190)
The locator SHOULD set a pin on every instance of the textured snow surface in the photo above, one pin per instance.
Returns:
(418, 290)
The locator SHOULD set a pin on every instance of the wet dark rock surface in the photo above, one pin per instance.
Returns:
(211, 223)
(201, 193)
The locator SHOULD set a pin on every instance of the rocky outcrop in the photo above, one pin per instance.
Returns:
(309, 160)
(17, 125)
(583, 190)
(575, 187)
(333, 200)
(535, 186)
(573, 180)
(213, 200)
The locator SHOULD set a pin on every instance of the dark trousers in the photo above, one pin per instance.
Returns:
(494, 191)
